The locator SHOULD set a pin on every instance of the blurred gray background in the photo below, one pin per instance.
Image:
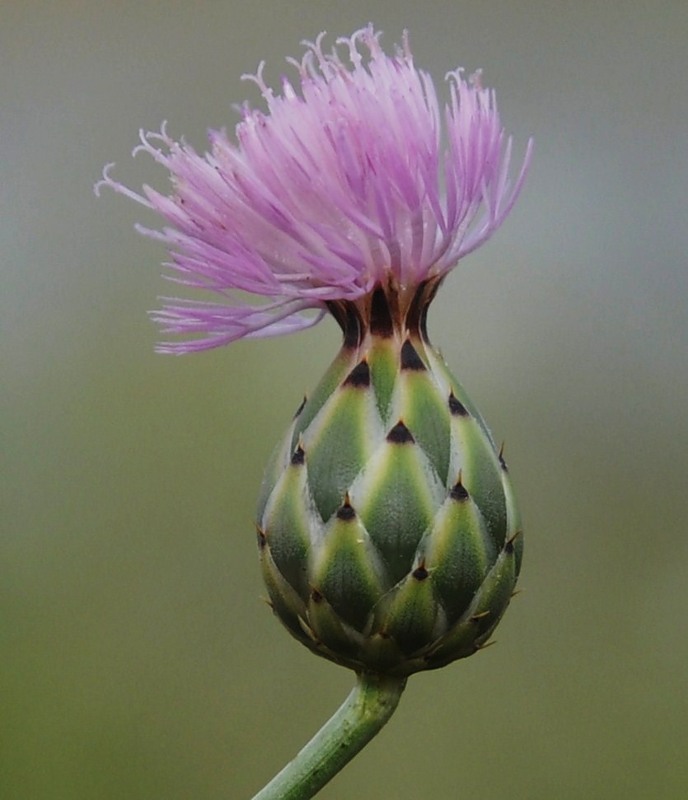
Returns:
(138, 659)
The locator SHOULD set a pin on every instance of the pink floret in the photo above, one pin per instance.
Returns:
(344, 183)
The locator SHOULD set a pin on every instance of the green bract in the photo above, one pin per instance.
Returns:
(388, 532)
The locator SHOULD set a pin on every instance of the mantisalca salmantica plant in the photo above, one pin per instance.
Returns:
(388, 533)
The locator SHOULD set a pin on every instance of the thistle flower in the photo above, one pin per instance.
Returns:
(386, 521)
(343, 185)
(389, 537)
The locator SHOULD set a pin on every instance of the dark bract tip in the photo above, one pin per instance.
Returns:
(400, 434)
(298, 457)
(458, 492)
(346, 511)
(262, 538)
(359, 377)
(456, 407)
(300, 408)
(410, 359)
(380, 316)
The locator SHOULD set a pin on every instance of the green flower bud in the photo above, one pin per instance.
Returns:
(388, 533)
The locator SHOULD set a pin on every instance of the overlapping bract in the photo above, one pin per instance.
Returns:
(343, 184)
(387, 527)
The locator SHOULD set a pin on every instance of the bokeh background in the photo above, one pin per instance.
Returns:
(138, 659)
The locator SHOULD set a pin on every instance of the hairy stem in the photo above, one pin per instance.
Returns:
(364, 712)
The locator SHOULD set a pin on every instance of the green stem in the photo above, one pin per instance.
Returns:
(364, 712)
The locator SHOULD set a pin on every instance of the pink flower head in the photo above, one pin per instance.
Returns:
(342, 185)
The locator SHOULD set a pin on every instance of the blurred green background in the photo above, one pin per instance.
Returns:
(138, 659)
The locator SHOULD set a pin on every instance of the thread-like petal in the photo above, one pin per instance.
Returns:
(343, 183)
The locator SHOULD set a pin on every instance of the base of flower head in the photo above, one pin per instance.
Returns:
(389, 311)
(388, 532)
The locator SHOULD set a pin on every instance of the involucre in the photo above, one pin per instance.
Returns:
(388, 532)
